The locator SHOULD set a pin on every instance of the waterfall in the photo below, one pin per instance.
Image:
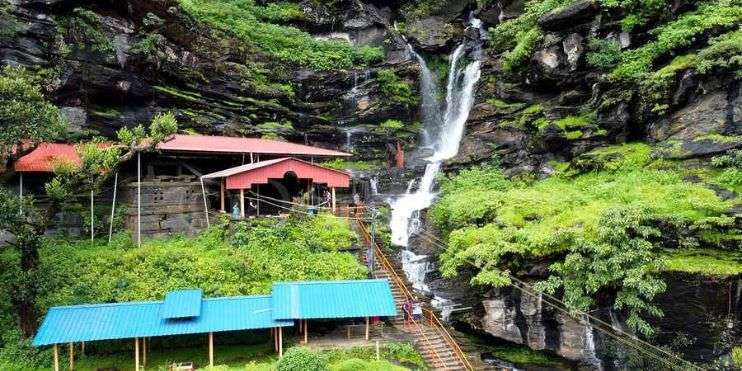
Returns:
(589, 354)
(374, 184)
(443, 133)
(348, 142)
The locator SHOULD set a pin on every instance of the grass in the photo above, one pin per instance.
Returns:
(704, 261)
(523, 355)
(357, 165)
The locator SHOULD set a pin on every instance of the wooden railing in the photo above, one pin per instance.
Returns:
(433, 320)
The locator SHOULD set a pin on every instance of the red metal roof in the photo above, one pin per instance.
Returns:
(245, 176)
(46, 156)
(222, 144)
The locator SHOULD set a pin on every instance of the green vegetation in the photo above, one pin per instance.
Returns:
(603, 53)
(723, 52)
(83, 30)
(681, 33)
(737, 356)
(595, 219)
(523, 355)
(704, 261)
(253, 24)
(357, 165)
(526, 43)
(302, 359)
(395, 88)
(392, 125)
(657, 86)
(731, 170)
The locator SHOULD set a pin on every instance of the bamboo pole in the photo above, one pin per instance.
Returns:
(139, 202)
(280, 342)
(206, 204)
(113, 207)
(334, 203)
(242, 203)
(221, 195)
(56, 357)
(211, 349)
(72, 356)
(136, 354)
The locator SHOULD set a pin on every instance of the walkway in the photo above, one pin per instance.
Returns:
(430, 337)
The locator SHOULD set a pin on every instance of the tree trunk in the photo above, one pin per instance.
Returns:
(24, 299)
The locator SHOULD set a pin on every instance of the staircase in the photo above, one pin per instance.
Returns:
(432, 340)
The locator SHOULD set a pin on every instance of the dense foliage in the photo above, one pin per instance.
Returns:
(258, 26)
(596, 219)
(302, 359)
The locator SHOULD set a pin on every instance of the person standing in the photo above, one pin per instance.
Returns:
(407, 311)
(417, 312)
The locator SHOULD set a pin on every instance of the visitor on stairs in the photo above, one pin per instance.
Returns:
(417, 312)
(407, 311)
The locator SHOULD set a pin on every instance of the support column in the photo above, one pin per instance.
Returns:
(136, 354)
(367, 322)
(113, 208)
(242, 203)
(221, 196)
(257, 202)
(56, 357)
(206, 204)
(139, 202)
(334, 203)
(280, 342)
(144, 351)
(306, 336)
(72, 356)
(92, 214)
(82, 348)
(211, 349)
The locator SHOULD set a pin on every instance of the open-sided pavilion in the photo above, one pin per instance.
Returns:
(186, 312)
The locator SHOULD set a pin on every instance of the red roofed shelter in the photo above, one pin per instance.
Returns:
(46, 156)
(282, 169)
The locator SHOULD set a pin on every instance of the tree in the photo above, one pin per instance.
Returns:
(619, 260)
(28, 119)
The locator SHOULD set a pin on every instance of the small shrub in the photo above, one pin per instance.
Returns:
(737, 356)
(302, 359)
(163, 125)
(526, 43)
(396, 89)
(603, 53)
(392, 124)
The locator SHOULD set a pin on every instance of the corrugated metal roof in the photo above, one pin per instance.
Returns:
(46, 156)
(182, 304)
(222, 144)
(140, 319)
(332, 299)
(244, 176)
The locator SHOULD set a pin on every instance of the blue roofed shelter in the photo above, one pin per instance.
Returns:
(186, 312)
(307, 300)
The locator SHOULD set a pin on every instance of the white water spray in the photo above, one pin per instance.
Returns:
(443, 134)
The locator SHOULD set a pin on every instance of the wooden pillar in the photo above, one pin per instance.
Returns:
(56, 357)
(334, 203)
(113, 214)
(280, 342)
(211, 349)
(257, 202)
(139, 201)
(206, 204)
(82, 348)
(221, 196)
(72, 355)
(144, 351)
(242, 203)
(136, 354)
(306, 337)
(367, 322)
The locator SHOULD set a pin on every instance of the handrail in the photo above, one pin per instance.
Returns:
(449, 339)
(400, 283)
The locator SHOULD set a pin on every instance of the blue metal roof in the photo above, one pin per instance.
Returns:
(140, 319)
(332, 299)
(182, 304)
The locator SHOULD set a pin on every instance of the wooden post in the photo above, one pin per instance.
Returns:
(72, 356)
(92, 214)
(334, 204)
(367, 322)
(242, 203)
(221, 195)
(280, 342)
(113, 211)
(306, 338)
(56, 357)
(82, 348)
(136, 354)
(144, 351)
(206, 204)
(257, 208)
(211, 349)
(378, 352)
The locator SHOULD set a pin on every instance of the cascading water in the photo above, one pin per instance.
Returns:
(444, 127)
(590, 356)
(374, 185)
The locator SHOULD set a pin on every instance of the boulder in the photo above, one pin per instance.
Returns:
(433, 33)
(574, 14)
(706, 115)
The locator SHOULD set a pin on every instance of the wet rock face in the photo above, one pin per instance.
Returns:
(525, 319)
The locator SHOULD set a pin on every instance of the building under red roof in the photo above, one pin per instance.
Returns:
(46, 156)
(222, 144)
(245, 176)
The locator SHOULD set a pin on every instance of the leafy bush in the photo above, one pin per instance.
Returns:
(496, 225)
(603, 53)
(680, 33)
(392, 124)
(737, 356)
(395, 88)
(723, 52)
(302, 359)
(504, 36)
(355, 364)
(163, 125)
(251, 23)
(526, 42)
